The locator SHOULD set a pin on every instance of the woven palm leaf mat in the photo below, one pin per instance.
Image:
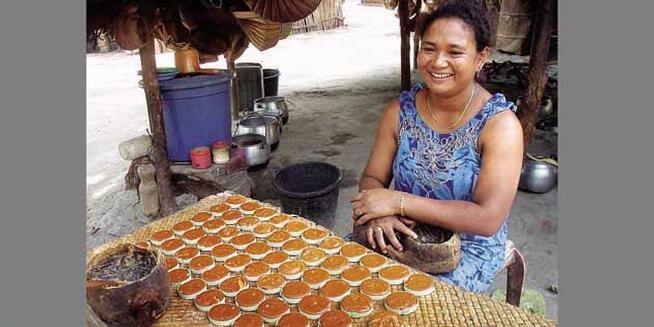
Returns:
(446, 306)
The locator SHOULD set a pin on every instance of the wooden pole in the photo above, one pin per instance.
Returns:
(537, 78)
(155, 115)
(405, 69)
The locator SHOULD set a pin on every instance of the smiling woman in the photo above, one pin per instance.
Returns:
(453, 150)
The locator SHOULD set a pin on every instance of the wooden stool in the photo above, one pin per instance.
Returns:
(514, 264)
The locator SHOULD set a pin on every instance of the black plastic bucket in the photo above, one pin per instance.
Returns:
(270, 81)
(249, 76)
(309, 190)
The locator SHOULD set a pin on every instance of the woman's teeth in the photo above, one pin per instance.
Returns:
(441, 76)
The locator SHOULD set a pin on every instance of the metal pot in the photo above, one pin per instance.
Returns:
(273, 106)
(538, 175)
(268, 126)
(255, 148)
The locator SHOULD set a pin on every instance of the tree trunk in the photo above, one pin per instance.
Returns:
(155, 115)
(537, 79)
(405, 69)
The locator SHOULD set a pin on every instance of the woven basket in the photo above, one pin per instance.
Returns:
(283, 11)
(261, 32)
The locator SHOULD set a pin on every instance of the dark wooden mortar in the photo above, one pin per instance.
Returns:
(127, 303)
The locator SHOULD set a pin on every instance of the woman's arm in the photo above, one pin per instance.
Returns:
(501, 146)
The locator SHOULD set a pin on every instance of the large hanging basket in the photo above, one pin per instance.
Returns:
(261, 32)
(283, 11)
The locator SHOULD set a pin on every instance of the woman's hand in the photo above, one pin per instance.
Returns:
(375, 203)
(386, 226)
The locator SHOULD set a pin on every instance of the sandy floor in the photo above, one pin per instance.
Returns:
(338, 82)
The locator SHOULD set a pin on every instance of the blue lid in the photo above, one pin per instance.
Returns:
(190, 82)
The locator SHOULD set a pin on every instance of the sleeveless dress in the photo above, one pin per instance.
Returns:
(446, 167)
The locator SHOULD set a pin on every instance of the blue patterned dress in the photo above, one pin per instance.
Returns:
(446, 167)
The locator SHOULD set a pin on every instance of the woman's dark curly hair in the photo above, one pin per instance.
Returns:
(470, 12)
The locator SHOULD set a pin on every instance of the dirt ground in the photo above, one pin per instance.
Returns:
(337, 83)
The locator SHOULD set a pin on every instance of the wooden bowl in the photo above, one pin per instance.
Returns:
(138, 301)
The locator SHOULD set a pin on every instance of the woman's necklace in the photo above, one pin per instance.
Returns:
(474, 85)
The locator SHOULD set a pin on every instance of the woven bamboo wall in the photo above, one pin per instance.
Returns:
(328, 15)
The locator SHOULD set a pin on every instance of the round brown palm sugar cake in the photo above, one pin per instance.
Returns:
(236, 200)
(171, 263)
(263, 230)
(199, 218)
(419, 284)
(402, 303)
(249, 319)
(205, 300)
(357, 305)
(278, 238)
(279, 220)
(331, 244)
(247, 223)
(212, 226)
(228, 232)
(192, 236)
(293, 319)
(207, 242)
(179, 276)
(292, 269)
(294, 246)
(314, 235)
(275, 259)
(249, 207)
(376, 288)
(201, 263)
(232, 285)
(335, 318)
(315, 277)
(335, 290)
(272, 309)
(271, 283)
(237, 262)
(313, 306)
(223, 314)
(294, 291)
(394, 274)
(254, 270)
(296, 227)
(241, 241)
(353, 251)
(257, 250)
(265, 214)
(373, 261)
(355, 275)
(160, 236)
(334, 264)
(313, 256)
(215, 275)
(219, 208)
(169, 247)
(185, 254)
(190, 289)
(231, 216)
(222, 252)
(249, 299)
(182, 226)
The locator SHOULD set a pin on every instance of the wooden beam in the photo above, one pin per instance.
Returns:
(536, 77)
(405, 68)
(155, 114)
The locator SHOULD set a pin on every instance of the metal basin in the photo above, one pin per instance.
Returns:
(538, 176)
(272, 106)
(268, 126)
(255, 148)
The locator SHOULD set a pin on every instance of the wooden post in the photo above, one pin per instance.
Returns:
(405, 69)
(155, 115)
(235, 105)
(537, 78)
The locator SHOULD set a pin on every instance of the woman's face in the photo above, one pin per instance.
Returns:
(448, 57)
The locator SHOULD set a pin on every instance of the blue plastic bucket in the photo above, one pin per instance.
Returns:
(196, 111)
